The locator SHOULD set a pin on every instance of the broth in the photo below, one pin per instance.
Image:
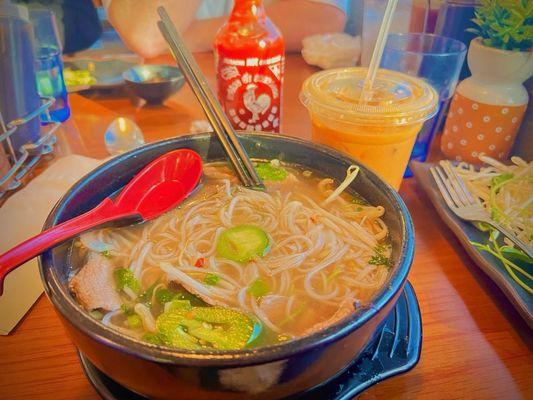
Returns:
(233, 268)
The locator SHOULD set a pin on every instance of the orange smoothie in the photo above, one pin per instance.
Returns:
(380, 132)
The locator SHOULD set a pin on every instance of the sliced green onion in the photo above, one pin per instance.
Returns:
(164, 295)
(134, 321)
(96, 314)
(178, 305)
(258, 288)
(125, 278)
(127, 310)
(146, 296)
(153, 338)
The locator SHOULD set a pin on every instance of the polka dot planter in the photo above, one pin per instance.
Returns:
(474, 128)
(487, 108)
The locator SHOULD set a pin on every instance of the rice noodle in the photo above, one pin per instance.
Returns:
(351, 174)
(320, 247)
(146, 317)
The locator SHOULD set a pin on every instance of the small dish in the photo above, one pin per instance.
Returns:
(153, 83)
(466, 232)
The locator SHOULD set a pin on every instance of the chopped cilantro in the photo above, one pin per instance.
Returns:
(379, 257)
(106, 253)
(359, 201)
(211, 279)
(269, 172)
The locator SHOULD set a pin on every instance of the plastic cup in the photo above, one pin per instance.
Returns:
(379, 133)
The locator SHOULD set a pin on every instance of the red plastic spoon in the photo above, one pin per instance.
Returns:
(156, 189)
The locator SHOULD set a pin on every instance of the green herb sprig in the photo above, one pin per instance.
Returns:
(379, 257)
(504, 254)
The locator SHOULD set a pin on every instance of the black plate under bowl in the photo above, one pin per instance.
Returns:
(394, 350)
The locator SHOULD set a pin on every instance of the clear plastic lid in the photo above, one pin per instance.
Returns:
(397, 99)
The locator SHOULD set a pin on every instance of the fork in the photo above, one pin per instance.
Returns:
(465, 205)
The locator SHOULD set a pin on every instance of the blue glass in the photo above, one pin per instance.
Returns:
(454, 20)
(437, 60)
(425, 136)
(50, 82)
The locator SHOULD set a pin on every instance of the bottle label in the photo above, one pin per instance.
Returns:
(250, 91)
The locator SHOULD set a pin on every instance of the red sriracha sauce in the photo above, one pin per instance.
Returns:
(249, 60)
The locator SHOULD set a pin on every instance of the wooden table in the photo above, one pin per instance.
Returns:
(475, 345)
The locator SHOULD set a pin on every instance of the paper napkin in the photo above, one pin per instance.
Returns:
(23, 216)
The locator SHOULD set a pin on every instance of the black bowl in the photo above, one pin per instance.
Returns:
(268, 372)
(153, 83)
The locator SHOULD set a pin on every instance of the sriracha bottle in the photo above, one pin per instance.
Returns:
(249, 58)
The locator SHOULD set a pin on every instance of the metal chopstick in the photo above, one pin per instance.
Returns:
(215, 114)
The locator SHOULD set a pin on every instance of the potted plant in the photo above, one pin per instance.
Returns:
(488, 107)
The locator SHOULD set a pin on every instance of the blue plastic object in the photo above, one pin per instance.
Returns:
(49, 65)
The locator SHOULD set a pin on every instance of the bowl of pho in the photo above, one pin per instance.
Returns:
(237, 293)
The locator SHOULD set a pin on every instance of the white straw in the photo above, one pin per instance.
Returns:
(366, 93)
